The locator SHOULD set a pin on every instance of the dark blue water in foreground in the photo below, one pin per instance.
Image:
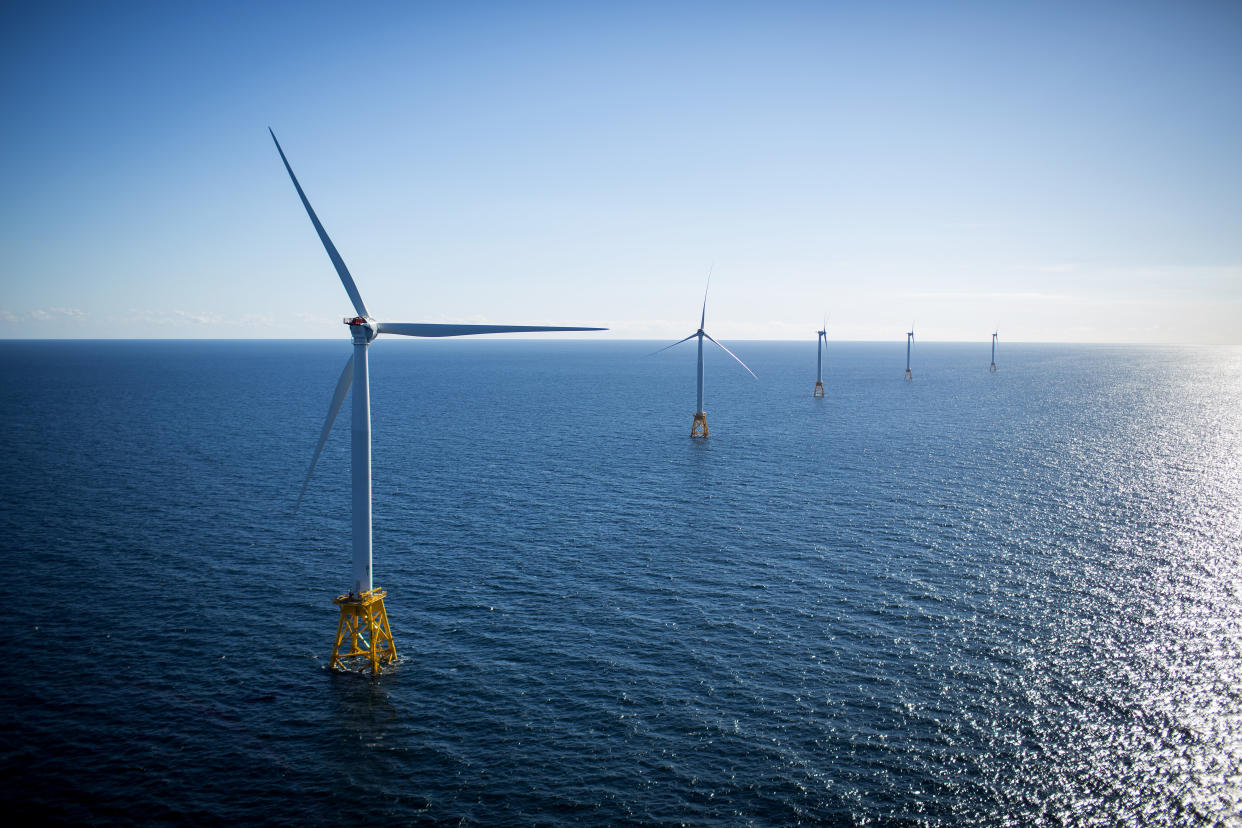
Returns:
(972, 599)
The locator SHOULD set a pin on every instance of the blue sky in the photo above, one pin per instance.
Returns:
(1063, 172)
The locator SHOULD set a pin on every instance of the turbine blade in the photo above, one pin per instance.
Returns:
(730, 353)
(674, 345)
(337, 261)
(703, 318)
(338, 397)
(428, 329)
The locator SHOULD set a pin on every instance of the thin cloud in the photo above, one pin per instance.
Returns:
(1018, 295)
(43, 315)
(201, 318)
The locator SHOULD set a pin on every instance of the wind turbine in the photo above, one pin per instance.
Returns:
(364, 621)
(821, 345)
(699, 427)
(992, 367)
(909, 341)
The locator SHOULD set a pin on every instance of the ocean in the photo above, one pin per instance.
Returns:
(969, 599)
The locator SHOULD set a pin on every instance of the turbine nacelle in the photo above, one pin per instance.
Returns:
(362, 329)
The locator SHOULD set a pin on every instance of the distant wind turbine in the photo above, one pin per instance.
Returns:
(909, 342)
(699, 427)
(821, 345)
(363, 620)
(992, 367)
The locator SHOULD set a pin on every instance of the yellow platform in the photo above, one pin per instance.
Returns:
(362, 633)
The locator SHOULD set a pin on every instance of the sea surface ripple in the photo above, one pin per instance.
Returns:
(970, 599)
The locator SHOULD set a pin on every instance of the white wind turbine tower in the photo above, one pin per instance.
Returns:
(821, 345)
(699, 427)
(363, 620)
(992, 367)
(909, 341)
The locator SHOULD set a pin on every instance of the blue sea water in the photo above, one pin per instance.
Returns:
(970, 599)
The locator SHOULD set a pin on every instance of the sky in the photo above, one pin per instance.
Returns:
(1058, 172)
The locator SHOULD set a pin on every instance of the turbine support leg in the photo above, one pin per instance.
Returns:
(909, 376)
(992, 367)
(362, 633)
(819, 389)
(699, 427)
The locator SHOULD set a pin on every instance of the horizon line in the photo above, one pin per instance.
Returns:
(545, 338)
